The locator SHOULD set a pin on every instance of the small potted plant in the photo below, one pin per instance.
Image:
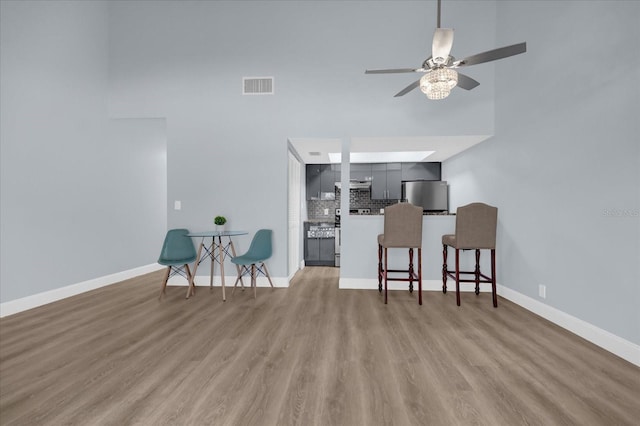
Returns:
(220, 221)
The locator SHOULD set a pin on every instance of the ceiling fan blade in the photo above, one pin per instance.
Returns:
(492, 55)
(391, 71)
(466, 82)
(442, 43)
(407, 89)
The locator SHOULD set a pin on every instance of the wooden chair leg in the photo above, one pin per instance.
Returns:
(164, 283)
(458, 276)
(253, 279)
(237, 279)
(266, 272)
(444, 268)
(191, 289)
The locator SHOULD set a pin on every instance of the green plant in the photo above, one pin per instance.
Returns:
(220, 220)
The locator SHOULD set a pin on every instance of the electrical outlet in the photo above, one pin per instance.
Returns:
(542, 291)
(326, 212)
(177, 205)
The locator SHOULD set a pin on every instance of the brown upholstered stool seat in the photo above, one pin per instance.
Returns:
(449, 240)
(475, 230)
(402, 229)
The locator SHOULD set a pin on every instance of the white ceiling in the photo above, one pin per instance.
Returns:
(444, 146)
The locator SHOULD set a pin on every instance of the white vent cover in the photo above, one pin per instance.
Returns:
(257, 85)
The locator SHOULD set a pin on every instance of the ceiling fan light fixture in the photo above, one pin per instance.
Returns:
(437, 83)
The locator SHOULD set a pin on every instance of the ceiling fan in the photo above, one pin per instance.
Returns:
(440, 68)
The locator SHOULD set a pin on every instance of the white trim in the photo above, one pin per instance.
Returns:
(617, 345)
(18, 305)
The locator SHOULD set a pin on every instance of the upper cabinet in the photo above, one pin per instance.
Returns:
(386, 181)
(386, 178)
(321, 181)
(421, 171)
(360, 172)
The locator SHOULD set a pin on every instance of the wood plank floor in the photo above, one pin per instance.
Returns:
(307, 355)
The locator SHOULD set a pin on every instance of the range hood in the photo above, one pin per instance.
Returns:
(356, 184)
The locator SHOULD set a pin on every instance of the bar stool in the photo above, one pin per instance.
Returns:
(402, 229)
(475, 230)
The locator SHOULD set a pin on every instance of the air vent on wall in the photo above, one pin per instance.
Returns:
(257, 85)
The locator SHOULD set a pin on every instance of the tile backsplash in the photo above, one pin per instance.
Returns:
(358, 199)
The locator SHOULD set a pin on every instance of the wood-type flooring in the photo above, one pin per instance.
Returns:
(310, 354)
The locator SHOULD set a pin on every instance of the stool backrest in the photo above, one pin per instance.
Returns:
(476, 226)
(403, 225)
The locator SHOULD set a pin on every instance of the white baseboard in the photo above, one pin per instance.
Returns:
(617, 345)
(14, 306)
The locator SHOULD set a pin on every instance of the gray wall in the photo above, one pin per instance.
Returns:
(227, 152)
(563, 167)
(81, 197)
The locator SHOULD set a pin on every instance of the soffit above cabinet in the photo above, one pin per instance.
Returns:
(316, 150)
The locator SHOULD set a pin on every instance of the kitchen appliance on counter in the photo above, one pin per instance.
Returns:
(357, 185)
(433, 196)
(360, 211)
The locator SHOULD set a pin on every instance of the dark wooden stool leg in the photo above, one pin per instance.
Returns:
(379, 268)
(458, 276)
(410, 270)
(444, 268)
(477, 271)
(493, 278)
(385, 275)
(420, 275)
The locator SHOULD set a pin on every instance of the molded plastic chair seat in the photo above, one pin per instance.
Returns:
(252, 262)
(177, 252)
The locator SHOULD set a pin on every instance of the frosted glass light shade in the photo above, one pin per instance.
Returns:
(437, 84)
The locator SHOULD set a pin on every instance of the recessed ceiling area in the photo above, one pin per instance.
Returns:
(407, 149)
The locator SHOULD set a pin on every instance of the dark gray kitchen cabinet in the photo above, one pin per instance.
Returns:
(360, 172)
(337, 174)
(321, 179)
(318, 251)
(421, 171)
(386, 181)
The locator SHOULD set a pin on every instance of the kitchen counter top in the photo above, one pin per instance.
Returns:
(321, 221)
(381, 214)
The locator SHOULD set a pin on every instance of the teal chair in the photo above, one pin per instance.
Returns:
(252, 262)
(177, 252)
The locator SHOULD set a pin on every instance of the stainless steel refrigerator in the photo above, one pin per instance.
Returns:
(433, 196)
